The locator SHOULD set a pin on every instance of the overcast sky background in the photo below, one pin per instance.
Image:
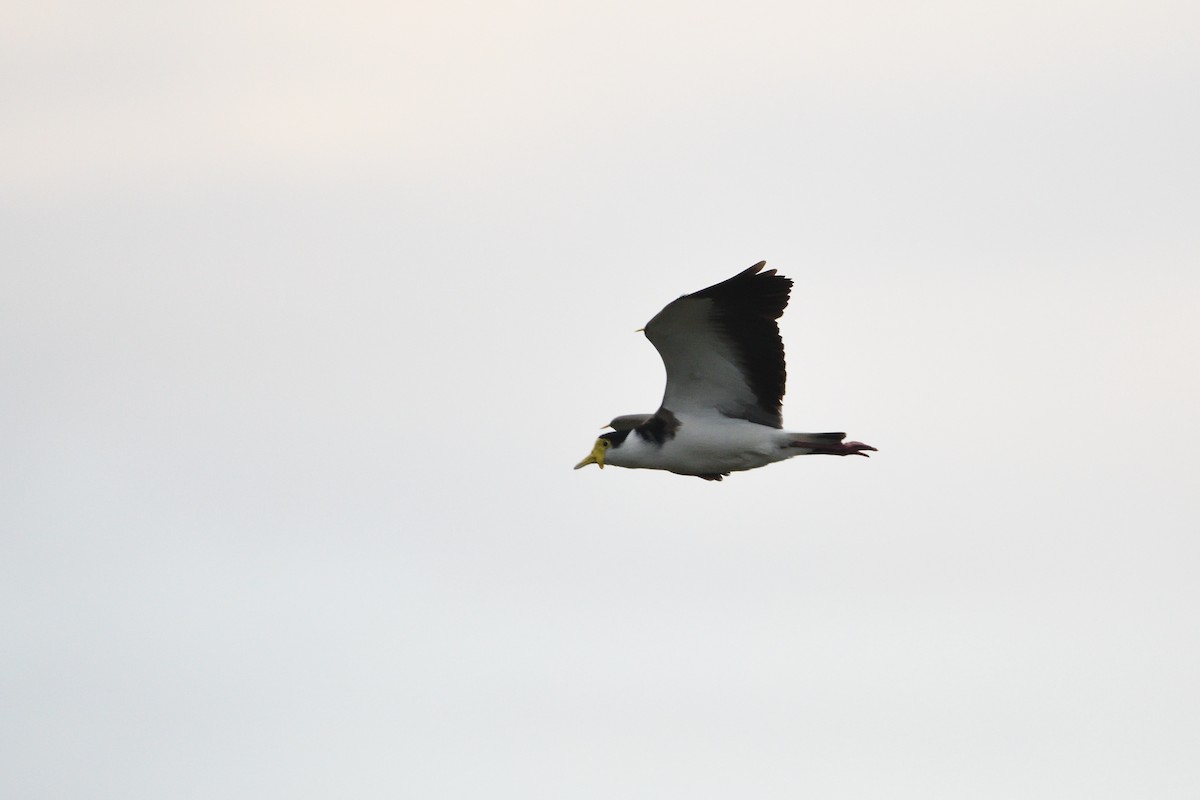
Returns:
(307, 310)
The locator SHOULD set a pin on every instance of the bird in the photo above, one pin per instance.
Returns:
(721, 410)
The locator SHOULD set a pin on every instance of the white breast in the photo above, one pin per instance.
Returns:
(704, 444)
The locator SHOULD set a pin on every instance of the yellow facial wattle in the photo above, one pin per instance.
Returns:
(596, 456)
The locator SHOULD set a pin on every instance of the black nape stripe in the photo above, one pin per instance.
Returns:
(615, 438)
(659, 428)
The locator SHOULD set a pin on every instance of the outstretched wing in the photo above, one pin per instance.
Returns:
(722, 349)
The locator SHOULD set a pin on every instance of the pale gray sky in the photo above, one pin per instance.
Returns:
(306, 313)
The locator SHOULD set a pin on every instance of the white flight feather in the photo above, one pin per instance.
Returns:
(703, 370)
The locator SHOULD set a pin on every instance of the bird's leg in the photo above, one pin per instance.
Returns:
(853, 449)
(829, 444)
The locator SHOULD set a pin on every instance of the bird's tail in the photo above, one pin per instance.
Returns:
(829, 444)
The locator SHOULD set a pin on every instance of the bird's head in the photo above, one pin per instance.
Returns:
(601, 447)
(597, 455)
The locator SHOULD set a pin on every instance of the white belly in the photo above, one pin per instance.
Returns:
(705, 446)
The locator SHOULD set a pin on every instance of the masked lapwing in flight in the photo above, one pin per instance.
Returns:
(720, 412)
